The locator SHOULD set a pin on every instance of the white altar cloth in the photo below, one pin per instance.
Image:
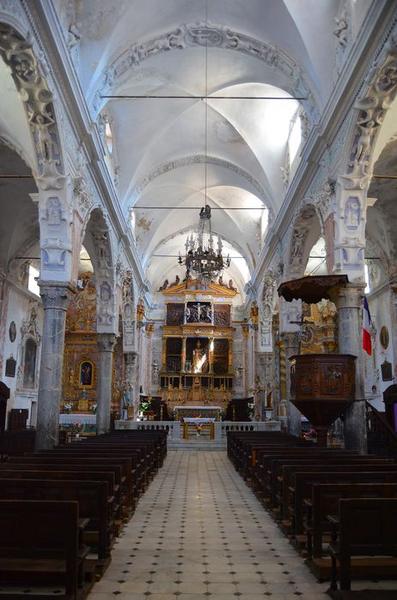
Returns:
(74, 418)
(198, 420)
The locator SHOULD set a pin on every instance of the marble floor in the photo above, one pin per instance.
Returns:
(200, 533)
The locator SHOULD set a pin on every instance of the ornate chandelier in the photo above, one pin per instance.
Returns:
(201, 258)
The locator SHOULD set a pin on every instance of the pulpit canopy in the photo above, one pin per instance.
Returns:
(313, 288)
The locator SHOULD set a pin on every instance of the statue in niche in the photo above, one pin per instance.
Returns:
(199, 358)
(54, 212)
(105, 292)
(140, 311)
(128, 311)
(352, 213)
(254, 313)
(297, 243)
(46, 144)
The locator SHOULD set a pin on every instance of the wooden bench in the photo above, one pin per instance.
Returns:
(324, 501)
(93, 499)
(84, 463)
(40, 545)
(365, 530)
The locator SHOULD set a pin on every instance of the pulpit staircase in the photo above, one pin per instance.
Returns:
(381, 438)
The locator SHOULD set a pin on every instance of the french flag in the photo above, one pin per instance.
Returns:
(367, 327)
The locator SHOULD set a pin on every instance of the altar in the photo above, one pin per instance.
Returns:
(198, 412)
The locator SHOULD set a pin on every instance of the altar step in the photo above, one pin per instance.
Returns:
(203, 444)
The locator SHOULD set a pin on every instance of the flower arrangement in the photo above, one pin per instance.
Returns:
(94, 407)
(67, 407)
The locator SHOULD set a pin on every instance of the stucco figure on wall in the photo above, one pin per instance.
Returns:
(352, 213)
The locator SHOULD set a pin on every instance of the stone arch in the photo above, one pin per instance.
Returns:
(306, 229)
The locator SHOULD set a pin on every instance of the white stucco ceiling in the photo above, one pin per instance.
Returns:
(278, 48)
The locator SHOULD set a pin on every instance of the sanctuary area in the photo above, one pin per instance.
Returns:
(198, 299)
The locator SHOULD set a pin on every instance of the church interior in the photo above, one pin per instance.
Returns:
(198, 299)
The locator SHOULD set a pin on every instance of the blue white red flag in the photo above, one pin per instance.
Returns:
(367, 327)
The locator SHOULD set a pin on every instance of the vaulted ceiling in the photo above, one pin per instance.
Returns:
(281, 49)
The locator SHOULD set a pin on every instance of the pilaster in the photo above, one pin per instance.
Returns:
(55, 297)
(106, 343)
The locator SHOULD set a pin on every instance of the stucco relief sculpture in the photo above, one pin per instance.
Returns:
(202, 34)
(352, 213)
(18, 54)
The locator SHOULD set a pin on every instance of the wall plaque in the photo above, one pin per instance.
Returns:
(11, 364)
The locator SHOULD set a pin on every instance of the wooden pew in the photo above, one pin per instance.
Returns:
(303, 482)
(40, 545)
(85, 463)
(365, 527)
(324, 501)
(93, 498)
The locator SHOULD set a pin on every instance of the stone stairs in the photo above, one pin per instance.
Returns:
(197, 444)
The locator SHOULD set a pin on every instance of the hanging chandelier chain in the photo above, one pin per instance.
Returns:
(201, 257)
(206, 108)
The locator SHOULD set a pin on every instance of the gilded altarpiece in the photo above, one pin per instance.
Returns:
(197, 354)
(319, 334)
(81, 354)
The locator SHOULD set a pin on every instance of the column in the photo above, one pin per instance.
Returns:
(348, 303)
(245, 328)
(211, 356)
(106, 343)
(393, 332)
(130, 378)
(183, 360)
(291, 346)
(55, 297)
(149, 356)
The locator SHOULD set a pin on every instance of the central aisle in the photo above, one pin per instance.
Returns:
(200, 533)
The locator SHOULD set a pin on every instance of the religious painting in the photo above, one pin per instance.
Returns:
(222, 315)
(175, 313)
(29, 366)
(86, 373)
(174, 354)
(12, 331)
(221, 356)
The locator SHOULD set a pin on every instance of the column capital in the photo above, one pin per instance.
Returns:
(56, 294)
(350, 296)
(106, 342)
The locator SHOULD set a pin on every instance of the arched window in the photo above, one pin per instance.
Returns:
(294, 138)
(108, 137)
(29, 366)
